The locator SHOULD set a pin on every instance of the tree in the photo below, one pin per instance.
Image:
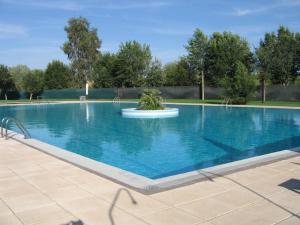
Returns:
(264, 55)
(224, 51)
(33, 83)
(82, 49)
(197, 54)
(283, 67)
(104, 70)
(57, 75)
(155, 78)
(6, 81)
(18, 72)
(179, 74)
(241, 87)
(132, 64)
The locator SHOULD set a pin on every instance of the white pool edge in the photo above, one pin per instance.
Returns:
(146, 185)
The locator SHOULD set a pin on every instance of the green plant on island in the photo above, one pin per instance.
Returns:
(150, 100)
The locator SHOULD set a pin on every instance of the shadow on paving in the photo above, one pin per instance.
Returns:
(292, 184)
(78, 222)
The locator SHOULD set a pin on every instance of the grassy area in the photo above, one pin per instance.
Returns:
(209, 101)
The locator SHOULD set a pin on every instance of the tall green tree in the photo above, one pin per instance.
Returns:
(33, 83)
(132, 64)
(179, 74)
(57, 75)
(6, 81)
(154, 77)
(104, 70)
(197, 54)
(18, 72)
(239, 88)
(82, 49)
(265, 63)
(283, 68)
(225, 50)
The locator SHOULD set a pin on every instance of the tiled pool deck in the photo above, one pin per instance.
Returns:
(38, 189)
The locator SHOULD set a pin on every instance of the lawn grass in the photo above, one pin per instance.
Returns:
(208, 101)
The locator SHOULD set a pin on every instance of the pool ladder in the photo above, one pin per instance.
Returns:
(4, 125)
(116, 100)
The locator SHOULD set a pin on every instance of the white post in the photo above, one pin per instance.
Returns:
(87, 89)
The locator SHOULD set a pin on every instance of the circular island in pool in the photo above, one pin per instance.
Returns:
(138, 113)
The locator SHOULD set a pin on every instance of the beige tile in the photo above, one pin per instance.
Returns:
(67, 193)
(45, 214)
(9, 220)
(172, 216)
(175, 196)
(4, 210)
(144, 205)
(11, 183)
(85, 204)
(261, 213)
(28, 202)
(238, 197)
(24, 189)
(207, 208)
(24, 168)
(293, 220)
(100, 187)
(195, 191)
(47, 181)
(5, 172)
(287, 199)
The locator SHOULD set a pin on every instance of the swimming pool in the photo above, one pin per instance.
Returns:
(200, 137)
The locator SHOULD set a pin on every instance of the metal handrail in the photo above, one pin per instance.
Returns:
(117, 100)
(4, 124)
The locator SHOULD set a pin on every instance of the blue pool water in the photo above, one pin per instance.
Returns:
(201, 137)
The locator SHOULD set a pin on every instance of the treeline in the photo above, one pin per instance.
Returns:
(219, 60)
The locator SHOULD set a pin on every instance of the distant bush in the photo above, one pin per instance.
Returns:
(151, 100)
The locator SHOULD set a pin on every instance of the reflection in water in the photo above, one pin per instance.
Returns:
(200, 137)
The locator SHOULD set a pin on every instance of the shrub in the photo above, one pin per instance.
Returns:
(241, 87)
(151, 100)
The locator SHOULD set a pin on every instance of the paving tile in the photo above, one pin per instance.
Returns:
(5, 172)
(28, 167)
(67, 193)
(195, 191)
(207, 208)
(45, 214)
(47, 181)
(172, 216)
(10, 219)
(144, 205)
(289, 200)
(4, 210)
(11, 183)
(85, 204)
(261, 213)
(27, 202)
(21, 190)
(293, 220)
(238, 197)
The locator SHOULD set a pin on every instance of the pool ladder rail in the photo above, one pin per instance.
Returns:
(4, 125)
(116, 100)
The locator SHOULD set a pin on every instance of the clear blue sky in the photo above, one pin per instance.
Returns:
(32, 31)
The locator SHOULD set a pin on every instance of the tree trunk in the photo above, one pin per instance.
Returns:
(263, 93)
(202, 86)
(30, 98)
(5, 96)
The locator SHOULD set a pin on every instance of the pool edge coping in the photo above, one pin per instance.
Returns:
(168, 103)
(151, 186)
